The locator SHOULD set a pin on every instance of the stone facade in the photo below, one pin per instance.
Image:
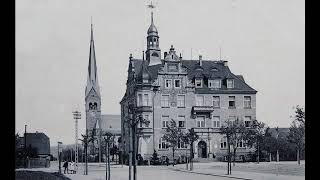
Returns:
(184, 90)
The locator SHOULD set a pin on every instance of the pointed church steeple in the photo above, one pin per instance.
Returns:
(92, 79)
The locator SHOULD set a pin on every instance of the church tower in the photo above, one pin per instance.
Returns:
(92, 93)
(153, 53)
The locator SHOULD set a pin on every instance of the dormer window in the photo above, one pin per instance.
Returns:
(230, 83)
(216, 83)
(198, 83)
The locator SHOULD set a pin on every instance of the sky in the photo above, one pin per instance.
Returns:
(263, 40)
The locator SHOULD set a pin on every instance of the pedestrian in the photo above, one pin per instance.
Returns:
(167, 161)
(71, 167)
(65, 165)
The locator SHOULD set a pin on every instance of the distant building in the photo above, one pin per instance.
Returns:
(37, 140)
(199, 94)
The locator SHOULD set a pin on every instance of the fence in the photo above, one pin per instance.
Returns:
(33, 163)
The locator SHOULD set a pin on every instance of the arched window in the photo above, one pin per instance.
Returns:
(95, 105)
(90, 106)
(155, 54)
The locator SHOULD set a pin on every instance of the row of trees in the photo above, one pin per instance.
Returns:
(254, 135)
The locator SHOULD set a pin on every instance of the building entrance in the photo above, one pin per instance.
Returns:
(202, 149)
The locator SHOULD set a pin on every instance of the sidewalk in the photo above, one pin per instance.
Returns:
(236, 174)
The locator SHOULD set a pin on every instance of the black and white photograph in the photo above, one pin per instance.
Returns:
(159, 89)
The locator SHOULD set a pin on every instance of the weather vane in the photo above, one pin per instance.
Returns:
(151, 6)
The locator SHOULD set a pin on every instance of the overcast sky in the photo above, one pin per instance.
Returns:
(264, 40)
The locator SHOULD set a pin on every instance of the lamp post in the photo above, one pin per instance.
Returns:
(59, 155)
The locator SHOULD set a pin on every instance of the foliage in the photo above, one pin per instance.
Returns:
(173, 136)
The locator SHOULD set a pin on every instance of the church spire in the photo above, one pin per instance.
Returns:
(92, 80)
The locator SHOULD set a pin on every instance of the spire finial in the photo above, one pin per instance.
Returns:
(151, 6)
(91, 30)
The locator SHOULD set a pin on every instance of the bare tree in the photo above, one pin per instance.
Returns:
(255, 136)
(228, 130)
(297, 131)
(173, 136)
(189, 138)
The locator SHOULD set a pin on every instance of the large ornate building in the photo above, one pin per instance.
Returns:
(200, 94)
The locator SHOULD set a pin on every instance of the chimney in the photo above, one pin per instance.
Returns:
(200, 60)
(180, 57)
(165, 54)
(142, 55)
(225, 63)
(130, 56)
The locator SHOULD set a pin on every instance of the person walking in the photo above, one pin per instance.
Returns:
(167, 161)
(65, 165)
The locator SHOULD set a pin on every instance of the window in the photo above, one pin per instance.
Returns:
(198, 83)
(216, 101)
(232, 119)
(247, 102)
(201, 121)
(247, 121)
(240, 144)
(168, 83)
(230, 83)
(145, 99)
(177, 83)
(215, 121)
(232, 102)
(214, 83)
(223, 143)
(165, 121)
(163, 144)
(199, 100)
(181, 100)
(181, 121)
(139, 99)
(165, 101)
(181, 145)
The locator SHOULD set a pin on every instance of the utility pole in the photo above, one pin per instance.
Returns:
(76, 116)
(25, 146)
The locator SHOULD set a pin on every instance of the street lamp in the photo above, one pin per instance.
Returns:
(59, 155)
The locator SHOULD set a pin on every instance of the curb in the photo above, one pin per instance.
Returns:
(209, 174)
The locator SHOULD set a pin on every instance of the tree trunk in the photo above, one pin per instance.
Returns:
(173, 156)
(258, 154)
(270, 156)
(298, 155)
(108, 162)
(234, 157)
(106, 153)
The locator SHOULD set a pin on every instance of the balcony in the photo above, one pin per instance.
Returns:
(196, 110)
(144, 109)
(202, 109)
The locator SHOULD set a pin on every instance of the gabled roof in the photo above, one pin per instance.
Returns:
(210, 70)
